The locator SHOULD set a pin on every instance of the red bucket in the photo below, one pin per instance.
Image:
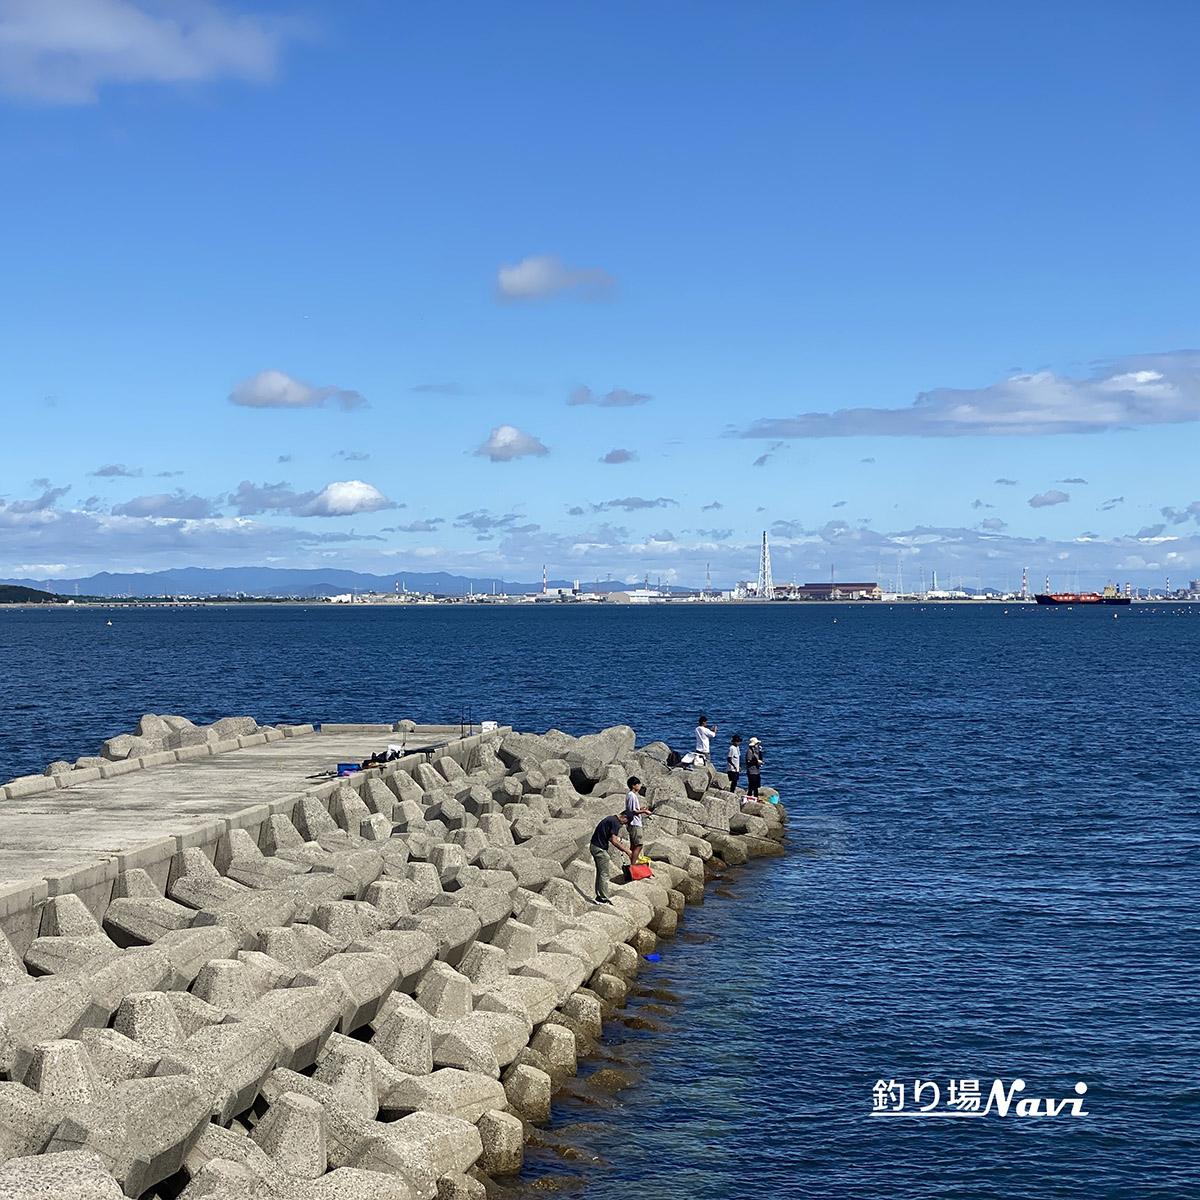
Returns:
(638, 871)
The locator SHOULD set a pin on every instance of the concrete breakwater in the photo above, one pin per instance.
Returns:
(366, 989)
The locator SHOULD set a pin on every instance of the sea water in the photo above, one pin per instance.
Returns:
(992, 867)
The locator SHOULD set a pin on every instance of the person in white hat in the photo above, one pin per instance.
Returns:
(754, 758)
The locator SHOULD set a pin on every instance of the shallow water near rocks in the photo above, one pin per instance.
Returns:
(992, 865)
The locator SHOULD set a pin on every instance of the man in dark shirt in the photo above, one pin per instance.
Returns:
(604, 836)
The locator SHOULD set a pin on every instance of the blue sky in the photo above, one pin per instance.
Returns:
(613, 287)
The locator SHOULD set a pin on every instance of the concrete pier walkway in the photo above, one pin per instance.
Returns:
(76, 838)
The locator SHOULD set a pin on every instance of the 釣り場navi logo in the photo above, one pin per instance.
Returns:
(965, 1098)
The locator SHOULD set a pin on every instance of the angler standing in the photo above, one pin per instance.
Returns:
(604, 836)
(754, 760)
(635, 812)
(733, 761)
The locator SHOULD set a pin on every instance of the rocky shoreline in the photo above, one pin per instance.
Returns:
(374, 999)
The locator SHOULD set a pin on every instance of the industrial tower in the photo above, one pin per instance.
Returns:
(766, 585)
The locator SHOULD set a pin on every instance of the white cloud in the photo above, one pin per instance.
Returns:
(1145, 389)
(275, 389)
(428, 525)
(485, 524)
(117, 471)
(632, 503)
(252, 498)
(94, 541)
(40, 570)
(345, 499)
(1177, 516)
(47, 500)
(1046, 499)
(62, 51)
(544, 276)
(763, 459)
(335, 500)
(176, 505)
(507, 442)
(592, 551)
(617, 398)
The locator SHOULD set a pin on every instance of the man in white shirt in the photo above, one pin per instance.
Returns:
(704, 735)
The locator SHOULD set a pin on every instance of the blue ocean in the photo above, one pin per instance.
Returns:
(992, 868)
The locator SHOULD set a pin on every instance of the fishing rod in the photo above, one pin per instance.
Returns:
(711, 828)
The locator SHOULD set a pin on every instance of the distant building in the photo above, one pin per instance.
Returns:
(378, 598)
(572, 595)
(638, 596)
(831, 591)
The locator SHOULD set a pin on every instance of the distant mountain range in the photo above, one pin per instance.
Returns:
(272, 581)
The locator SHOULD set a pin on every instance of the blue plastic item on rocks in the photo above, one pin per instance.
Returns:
(344, 769)
(654, 958)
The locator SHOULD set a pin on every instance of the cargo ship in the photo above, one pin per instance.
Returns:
(1110, 595)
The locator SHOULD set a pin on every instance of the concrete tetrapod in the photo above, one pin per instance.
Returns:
(398, 908)
(292, 1134)
(65, 1175)
(141, 1130)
